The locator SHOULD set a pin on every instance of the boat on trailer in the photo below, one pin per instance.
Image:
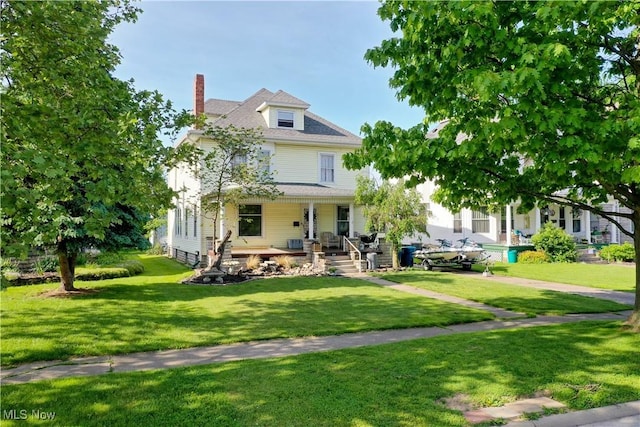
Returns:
(445, 254)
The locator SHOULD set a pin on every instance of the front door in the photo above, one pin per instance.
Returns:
(342, 225)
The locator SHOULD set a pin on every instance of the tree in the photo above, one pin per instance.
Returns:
(542, 102)
(233, 170)
(78, 144)
(393, 209)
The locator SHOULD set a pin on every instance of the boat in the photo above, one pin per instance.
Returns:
(445, 254)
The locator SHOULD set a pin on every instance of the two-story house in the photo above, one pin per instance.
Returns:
(305, 155)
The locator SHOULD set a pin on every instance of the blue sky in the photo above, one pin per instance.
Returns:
(312, 49)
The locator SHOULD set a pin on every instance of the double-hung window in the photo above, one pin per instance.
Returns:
(480, 221)
(285, 119)
(457, 222)
(327, 167)
(250, 220)
(264, 161)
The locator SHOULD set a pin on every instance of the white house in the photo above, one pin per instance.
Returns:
(305, 154)
(509, 228)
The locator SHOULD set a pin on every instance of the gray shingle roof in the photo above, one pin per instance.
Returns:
(244, 114)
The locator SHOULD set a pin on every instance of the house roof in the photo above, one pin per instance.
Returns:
(245, 114)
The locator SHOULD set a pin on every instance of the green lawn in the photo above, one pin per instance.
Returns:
(509, 297)
(153, 311)
(605, 276)
(583, 365)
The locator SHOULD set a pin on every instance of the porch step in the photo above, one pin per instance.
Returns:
(342, 263)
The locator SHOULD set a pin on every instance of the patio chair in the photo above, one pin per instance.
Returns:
(329, 240)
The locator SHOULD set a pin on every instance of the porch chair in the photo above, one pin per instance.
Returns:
(328, 240)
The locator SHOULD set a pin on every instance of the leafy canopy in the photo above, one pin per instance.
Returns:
(80, 148)
(533, 98)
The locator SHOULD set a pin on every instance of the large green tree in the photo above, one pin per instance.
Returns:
(541, 98)
(78, 144)
(393, 209)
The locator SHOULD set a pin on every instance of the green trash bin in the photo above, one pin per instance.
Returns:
(512, 256)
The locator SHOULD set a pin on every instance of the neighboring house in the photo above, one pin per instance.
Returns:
(305, 153)
(509, 228)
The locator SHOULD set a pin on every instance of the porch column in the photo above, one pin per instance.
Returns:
(222, 224)
(508, 229)
(536, 224)
(311, 226)
(586, 224)
(351, 235)
(615, 232)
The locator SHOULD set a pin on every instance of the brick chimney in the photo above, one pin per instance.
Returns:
(198, 95)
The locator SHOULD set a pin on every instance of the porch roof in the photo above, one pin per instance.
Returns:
(308, 193)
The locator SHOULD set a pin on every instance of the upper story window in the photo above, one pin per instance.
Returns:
(238, 160)
(264, 161)
(285, 119)
(327, 167)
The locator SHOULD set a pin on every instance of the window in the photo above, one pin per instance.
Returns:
(285, 119)
(186, 223)
(195, 222)
(343, 221)
(177, 225)
(480, 221)
(562, 222)
(250, 223)
(457, 222)
(503, 220)
(264, 161)
(238, 160)
(327, 168)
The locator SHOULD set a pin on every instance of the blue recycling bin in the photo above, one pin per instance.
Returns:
(512, 256)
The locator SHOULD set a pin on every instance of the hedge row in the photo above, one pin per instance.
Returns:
(123, 269)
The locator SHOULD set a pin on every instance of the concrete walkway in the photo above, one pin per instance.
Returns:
(288, 347)
(616, 296)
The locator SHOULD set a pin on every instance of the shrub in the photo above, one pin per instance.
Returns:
(46, 264)
(533, 257)
(157, 250)
(624, 252)
(556, 243)
(107, 258)
(101, 273)
(253, 262)
(284, 261)
(123, 269)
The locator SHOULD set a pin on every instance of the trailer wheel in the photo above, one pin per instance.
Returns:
(466, 266)
(426, 265)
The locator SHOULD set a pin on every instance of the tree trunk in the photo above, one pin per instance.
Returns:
(216, 262)
(67, 270)
(634, 320)
(395, 262)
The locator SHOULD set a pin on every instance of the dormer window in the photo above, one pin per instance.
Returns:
(285, 119)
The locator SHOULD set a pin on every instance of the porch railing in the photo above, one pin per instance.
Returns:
(349, 246)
